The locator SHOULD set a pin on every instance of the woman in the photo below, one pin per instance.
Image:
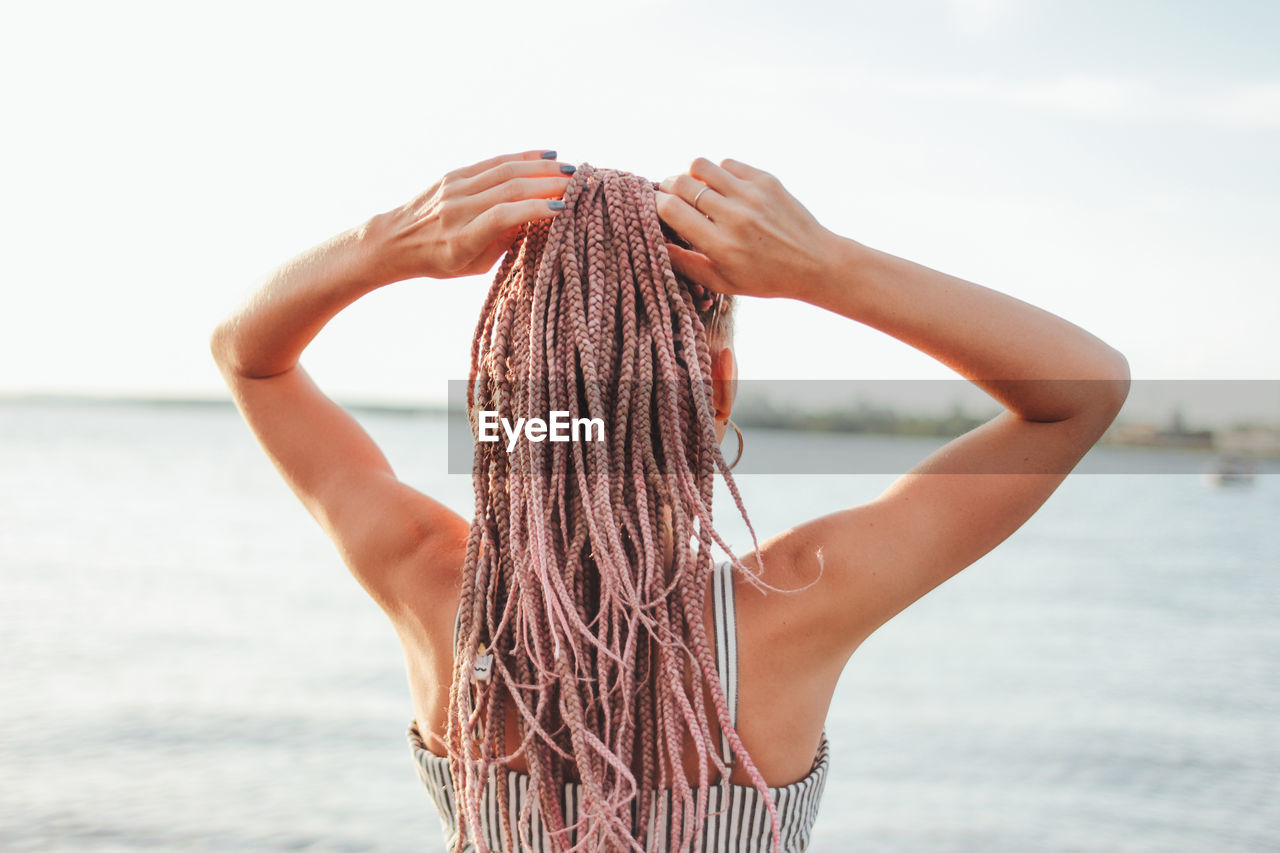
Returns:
(583, 674)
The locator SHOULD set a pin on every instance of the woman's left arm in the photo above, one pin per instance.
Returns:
(384, 529)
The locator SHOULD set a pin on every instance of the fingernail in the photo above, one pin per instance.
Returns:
(548, 155)
(568, 168)
(556, 204)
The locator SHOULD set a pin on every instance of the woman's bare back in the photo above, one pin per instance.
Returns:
(783, 697)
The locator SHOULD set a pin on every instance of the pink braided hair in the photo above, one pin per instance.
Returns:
(599, 643)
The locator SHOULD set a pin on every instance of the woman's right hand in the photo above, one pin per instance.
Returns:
(750, 236)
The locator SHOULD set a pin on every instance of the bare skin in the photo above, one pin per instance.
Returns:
(750, 238)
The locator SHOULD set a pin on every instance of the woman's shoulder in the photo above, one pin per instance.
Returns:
(788, 658)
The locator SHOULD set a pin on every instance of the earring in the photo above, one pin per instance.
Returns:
(741, 443)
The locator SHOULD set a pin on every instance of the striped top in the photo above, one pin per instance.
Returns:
(737, 815)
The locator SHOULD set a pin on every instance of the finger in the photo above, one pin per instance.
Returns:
(490, 224)
(485, 260)
(701, 197)
(512, 170)
(696, 266)
(519, 189)
(743, 171)
(688, 223)
(719, 179)
(485, 165)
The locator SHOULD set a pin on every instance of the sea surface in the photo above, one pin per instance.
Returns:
(186, 664)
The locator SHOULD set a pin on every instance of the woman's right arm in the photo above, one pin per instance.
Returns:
(1060, 385)
(389, 534)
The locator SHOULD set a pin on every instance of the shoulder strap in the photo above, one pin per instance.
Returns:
(726, 628)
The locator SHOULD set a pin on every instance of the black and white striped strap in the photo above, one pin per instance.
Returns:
(726, 628)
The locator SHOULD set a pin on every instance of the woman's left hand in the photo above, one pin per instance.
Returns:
(749, 235)
(467, 219)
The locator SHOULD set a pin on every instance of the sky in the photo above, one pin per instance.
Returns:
(1114, 163)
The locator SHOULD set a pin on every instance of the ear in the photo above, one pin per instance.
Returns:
(724, 379)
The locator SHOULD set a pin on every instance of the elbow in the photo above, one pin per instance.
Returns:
(222, 347)
(218, 344)
(1109, 388)
(237, 355)
(1118, 381)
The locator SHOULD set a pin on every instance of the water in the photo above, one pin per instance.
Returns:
(188, 666)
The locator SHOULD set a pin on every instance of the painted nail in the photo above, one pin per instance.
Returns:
(556, 204)
(548, 155)
(568, 168)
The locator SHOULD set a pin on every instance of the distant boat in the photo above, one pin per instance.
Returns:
(1231, 471)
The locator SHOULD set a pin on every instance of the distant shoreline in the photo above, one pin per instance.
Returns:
(1264, 441)
(200, 403)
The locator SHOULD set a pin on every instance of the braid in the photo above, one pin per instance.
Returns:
(598, 640)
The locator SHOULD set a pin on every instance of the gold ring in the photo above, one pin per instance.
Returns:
(698, 196)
